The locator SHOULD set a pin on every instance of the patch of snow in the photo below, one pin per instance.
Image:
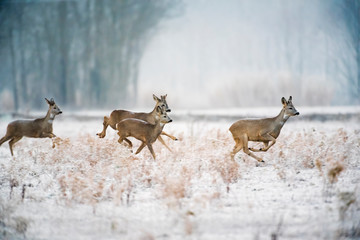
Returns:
(91, 188)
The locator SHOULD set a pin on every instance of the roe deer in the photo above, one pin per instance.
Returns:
(38, 128)
(117, 115)
(260, 130)
(142, 130)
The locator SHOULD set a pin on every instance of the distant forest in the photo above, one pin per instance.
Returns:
(83, 53)
(87, 53)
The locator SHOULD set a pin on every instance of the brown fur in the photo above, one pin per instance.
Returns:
(38, 128)
(144, 131)
(117, 116)
(260, 130)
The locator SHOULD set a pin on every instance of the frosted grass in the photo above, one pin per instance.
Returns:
(91, 188)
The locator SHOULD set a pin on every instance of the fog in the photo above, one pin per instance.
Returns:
(218, 61)
(203, 54)
(251, 53)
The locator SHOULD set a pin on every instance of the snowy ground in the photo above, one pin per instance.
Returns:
(91, 188)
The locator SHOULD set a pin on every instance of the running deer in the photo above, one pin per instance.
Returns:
(260, 130)
(117, 115)
(142, 130)
(38, 128)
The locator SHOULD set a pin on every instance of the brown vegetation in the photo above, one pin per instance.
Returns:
(199, 174)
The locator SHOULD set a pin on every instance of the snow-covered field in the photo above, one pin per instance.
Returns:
(91, 188)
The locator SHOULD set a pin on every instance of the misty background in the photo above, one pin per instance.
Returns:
(109, 54)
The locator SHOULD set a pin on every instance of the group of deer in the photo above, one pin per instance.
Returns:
(147, 127)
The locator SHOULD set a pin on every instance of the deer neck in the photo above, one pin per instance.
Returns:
(49, 118)
(153, 112)
(158, 126)
(281, 119)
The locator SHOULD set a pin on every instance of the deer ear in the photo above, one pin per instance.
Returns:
(164, 97)
(290, 99)
(51, 102)
(283, 101)
(158, 109)
(156, 98)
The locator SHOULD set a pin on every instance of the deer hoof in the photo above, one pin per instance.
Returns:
(100, 135)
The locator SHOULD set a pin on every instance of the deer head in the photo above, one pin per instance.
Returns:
(53, 108)
(161, 102)
(289, 107)
(162, 115)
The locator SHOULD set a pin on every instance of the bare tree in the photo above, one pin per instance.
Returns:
(80, 52)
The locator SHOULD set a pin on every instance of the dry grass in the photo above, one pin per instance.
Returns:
(89, 170)
(334, 172)
(197, 174)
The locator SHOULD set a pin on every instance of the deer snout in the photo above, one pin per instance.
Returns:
(297, 113)
(60, 112)
(170, 120)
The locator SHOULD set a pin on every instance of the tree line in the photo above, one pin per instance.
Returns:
(83, 53)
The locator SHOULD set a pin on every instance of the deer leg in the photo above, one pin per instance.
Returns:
(268, 138)
(271, 144)
(105, 125)
(4, 139)
(130, 144)
(140, 148)
(247, 151)
(151, 150)
(238, 146)
(47, 134)
(266, 146)
(163, 142)
(170, 136)
(266, 143)
(121, 138)
(11, 143)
